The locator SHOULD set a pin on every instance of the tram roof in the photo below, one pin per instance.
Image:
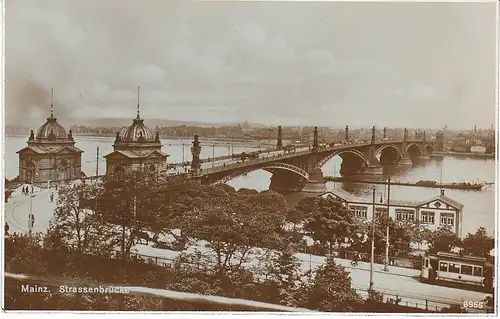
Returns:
(457, 257)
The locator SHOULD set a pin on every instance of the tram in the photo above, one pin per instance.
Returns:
(465, 271)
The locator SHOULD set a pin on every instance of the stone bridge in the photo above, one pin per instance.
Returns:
(295, 170)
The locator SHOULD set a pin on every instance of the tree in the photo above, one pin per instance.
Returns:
(478, 244)
(295, 216)
(331, 289)
(78, 227)
(234, 225)
(25, 254)
(418, 232)
(327, 220)
(442, 240)
(125, 205)
(282, 278)
(400, 236)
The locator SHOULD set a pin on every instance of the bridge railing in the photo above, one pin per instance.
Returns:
(228, 166)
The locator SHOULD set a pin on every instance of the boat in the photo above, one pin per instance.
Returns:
(436, 156)
(463, 185)
(478, 149)
(421, 183)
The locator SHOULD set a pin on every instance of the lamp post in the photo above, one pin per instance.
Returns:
(386, 263)
(213, 155)
(182, 153)
(372, 256)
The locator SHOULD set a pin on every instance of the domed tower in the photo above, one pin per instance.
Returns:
(439, 141)
(51, 155)
(136, 148)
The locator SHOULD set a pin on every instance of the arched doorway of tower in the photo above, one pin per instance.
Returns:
(62, 170)
(118, 172)
(30, 171)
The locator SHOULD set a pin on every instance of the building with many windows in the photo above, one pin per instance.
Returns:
(434, 212)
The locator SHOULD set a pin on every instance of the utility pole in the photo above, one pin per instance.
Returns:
(232, 145)
(372, 257)
(97, 164)
(386, 264)
(135, 212)
(183, 160)
(31, 208)
(213, 155)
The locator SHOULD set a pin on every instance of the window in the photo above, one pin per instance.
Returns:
(405, 214)
(447, 219)
(466, 270)
(478, 271)
(427, 217)
(381, 212)
(454, 268)
(426, 262)
(443, 266)
(359, 211)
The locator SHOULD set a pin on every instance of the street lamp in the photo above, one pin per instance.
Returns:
(372, 257)
(386, 263)
(213, 155)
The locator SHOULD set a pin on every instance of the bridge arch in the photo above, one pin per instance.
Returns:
(392, 146)
(411, 145)
(271, 167)
(354, 151)
(429, 148)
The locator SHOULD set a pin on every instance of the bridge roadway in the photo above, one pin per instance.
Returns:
(281, 155)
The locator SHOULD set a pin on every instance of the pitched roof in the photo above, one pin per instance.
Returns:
(32, 148)
(342, 194)
(348, 197)
(444, 199)
(132, 154)
(71, 148)
(42, 150)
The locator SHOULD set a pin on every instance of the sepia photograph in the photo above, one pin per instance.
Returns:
(250, 156)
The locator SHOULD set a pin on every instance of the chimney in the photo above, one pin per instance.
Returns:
(442, 192)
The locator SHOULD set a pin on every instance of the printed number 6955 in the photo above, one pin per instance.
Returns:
(473, 304)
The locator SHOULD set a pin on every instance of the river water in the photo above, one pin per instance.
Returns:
(479, 206)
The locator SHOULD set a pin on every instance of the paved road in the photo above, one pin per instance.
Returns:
(17, 210)
(399, 281)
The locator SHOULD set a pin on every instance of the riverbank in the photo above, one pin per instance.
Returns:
(469, 155)
(204, 140)
(425, 184)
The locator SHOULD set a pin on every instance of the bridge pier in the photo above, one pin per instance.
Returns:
(316, 182)
(405, 161)
(286, 182)
(372, 171)
(424, 158)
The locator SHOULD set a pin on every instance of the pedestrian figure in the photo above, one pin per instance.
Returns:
(7, 229)
(355, 260)
(31, 221)
(32, 189)
(24, 191)
(51, 197)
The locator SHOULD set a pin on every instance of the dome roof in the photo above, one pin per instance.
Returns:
(51, 126)
(136, 131)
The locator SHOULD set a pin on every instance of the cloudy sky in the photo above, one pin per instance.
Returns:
(325, 63)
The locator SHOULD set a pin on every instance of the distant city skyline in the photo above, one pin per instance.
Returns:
(293, 64)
